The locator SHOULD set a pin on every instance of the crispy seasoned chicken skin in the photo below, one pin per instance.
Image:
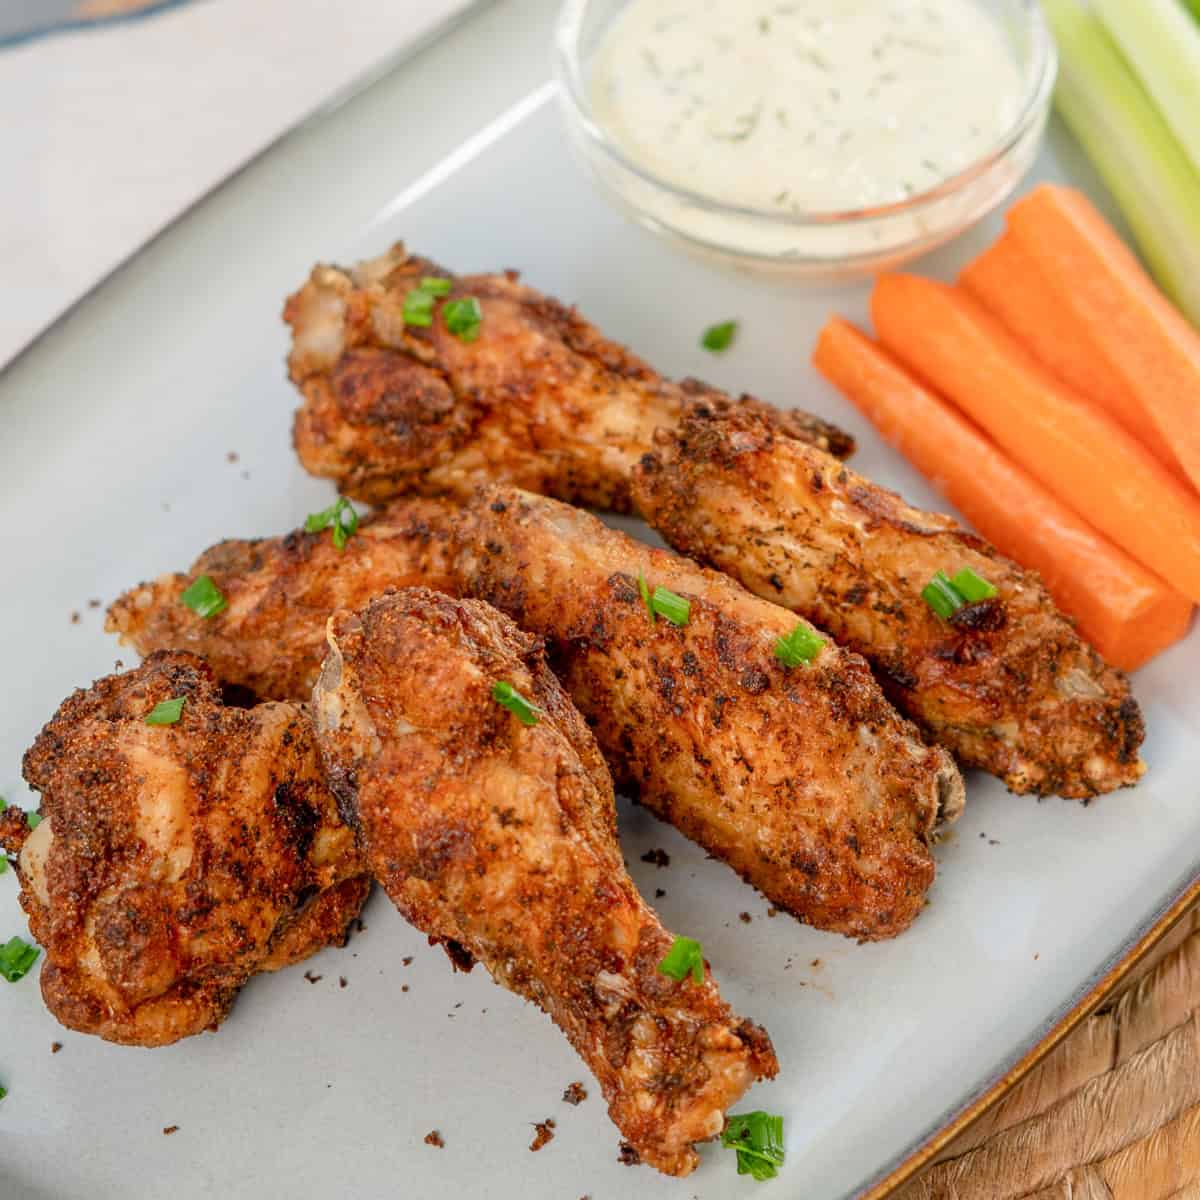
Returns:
(280, 591)
(173, 862)
(540, 399)
(499, 840)
(1007, 684)
(805, 780)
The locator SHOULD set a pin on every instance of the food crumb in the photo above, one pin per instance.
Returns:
(745, 918)
(815, 964)
(772, 912)
(341, 981)
(360, 925)
(544, 1134)
(232, 456)
(406, 960)
(170, 1129)
(575, 1093)
(55, 1047)
(659, 858)
(1036, 957)
(434, 1138)
(313, 978)
(94, 603)
(75, 618)
(404, 987)
(659, 893)
(993, 842)
(627, 1156)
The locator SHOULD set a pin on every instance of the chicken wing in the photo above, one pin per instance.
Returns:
(806, 781)
(539, 399)
(1007, 684)
(498, 838)
(280, 591)
(173, 862)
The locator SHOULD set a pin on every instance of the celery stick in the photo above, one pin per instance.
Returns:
(1162, 44)
(1146, 170)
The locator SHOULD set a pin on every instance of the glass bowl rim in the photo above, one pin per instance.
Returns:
(1043, 71)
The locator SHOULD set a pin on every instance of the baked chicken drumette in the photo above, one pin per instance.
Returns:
(175, 861)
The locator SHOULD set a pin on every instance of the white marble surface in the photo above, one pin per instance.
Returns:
(108, 133)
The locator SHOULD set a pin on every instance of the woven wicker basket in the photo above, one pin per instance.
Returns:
(1113, 1113)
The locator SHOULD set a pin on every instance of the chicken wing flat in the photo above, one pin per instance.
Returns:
(498, 838)
(805, 780)
(280, 592)
(538, 399)
(173, 862)
(1006, 683)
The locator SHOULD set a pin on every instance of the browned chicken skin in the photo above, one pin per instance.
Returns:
(271, 638)
(1008, 685)
(539, 400)
(804, 780)
(499, 839)
(174, 862)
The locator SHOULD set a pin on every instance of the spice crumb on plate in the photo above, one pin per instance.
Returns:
(659, 893)
(544, 1134)
(745, 918)
(575, 1093)
(342, 981)
(659, 858)
(313, 978)
(627, 1156)
(55, 1047)
(170, 1129)
(75, 618)
(434, 1138)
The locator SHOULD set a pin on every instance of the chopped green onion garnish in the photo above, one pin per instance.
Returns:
(418, 307)
(3, 1092)
(16, 957)
(644, 589)
(758, 1139)
(3, 804)
(942, 596)
(719, 337)
(33, 820)
(463, 318)
(166, 712)
(972, 587)
(684, 957)
(505, 694)
(204, 598)
(435, 285)
(667, 604)
(802, 645)
(3, 864)
(341, 515)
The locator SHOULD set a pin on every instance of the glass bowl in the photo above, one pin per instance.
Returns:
(819, 245)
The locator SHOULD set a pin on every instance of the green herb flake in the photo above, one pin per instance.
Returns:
(204, 598)
(506, 695)
(463, 318)
(3, 1092)
(942, 596)
(3, 864)
(341, 515)
(3, 804)
(758, 1139)
(644, 590)
(972, 587)
(718, 338)
(671, 606)
(418, 307)
(33, 820)
(166, 712)
(435, 285)
(799, 647)
(16, 957)
(685, 957)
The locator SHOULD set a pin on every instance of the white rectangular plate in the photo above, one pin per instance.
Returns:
(113, 467)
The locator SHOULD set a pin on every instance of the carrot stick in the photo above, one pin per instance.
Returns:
(1008, 281)
(1123, 610)
(1136, 331)
(1077, 452)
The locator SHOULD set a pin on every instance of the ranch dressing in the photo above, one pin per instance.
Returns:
(803, 106)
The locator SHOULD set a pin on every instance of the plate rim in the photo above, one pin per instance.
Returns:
(1180, 898)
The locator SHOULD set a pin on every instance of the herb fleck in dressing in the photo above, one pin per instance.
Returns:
(808, 105)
